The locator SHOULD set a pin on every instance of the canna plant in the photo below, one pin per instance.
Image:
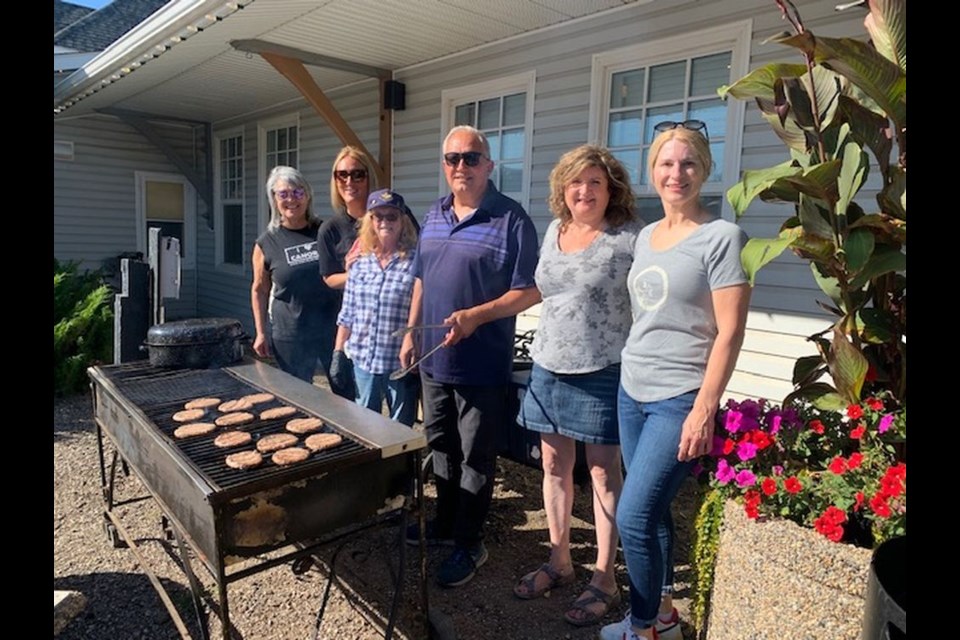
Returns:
(842, 113)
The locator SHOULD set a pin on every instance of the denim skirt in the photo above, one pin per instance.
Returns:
(581, 406)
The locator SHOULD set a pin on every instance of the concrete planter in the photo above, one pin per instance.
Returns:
(775, 580)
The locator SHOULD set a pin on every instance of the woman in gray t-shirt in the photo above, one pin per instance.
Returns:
(584, 321)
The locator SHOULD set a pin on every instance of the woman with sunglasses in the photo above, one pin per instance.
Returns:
(376, 303)
(572, 394)
(689, 296)
(302, 315)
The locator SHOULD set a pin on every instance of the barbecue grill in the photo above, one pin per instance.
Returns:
(230, 517)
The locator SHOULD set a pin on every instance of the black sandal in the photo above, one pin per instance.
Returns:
(526, 589)
(588, 617)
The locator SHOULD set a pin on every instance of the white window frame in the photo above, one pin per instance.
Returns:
(289, 120)
(734, 37)
(519, 83)
(218, 202)
(189, 247)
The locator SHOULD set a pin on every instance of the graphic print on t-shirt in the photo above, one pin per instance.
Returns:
(302, 253)
(649, 288)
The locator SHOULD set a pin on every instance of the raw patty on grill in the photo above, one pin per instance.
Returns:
(202, 403)
(188, 415)
(232, 439)
(235, 405)
(275, 442)
(304, 425)
(194, 429)
(321, 441)
(258, 398)
(234, 419)
(244, 460)
(290, 455)
(277, 412)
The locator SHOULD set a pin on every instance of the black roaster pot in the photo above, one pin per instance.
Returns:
(198, 343)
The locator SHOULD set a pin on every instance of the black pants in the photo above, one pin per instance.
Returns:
(461, 423)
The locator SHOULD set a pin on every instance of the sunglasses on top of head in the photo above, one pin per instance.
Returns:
(356, 174)
(470, 158)
(693, 125)
(286, 194)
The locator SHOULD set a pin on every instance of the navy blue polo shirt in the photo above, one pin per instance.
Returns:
(463, 264)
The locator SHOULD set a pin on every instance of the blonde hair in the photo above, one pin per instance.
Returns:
(622, 205)
(694, 139)
(363, 158)
(370, 241)
(282, 173)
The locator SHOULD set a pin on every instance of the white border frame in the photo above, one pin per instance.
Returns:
(218, 263)
(288, 120)
(189, 260)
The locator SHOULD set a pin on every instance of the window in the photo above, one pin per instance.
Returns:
(638, 87)
(167, 201)
(503, 110)
(229, 202)
(278, 141)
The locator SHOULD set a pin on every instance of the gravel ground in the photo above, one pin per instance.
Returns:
(276, 603)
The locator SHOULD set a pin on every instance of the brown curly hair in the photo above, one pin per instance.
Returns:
(622, 205)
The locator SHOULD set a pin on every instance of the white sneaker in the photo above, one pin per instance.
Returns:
(670, 630)
(623, 630)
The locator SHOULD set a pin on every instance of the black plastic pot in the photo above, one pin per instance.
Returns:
(198, 343)
(885, 612)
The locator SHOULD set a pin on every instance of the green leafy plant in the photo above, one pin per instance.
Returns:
(845, 103)
(705, 543)
(82, 326)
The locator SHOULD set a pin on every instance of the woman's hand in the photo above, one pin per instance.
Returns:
(696, 437)
(408, 351)
(261, 346)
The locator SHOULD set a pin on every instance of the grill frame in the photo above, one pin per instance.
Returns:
(284, 512)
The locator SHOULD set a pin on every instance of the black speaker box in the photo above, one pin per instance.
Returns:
(394, 95)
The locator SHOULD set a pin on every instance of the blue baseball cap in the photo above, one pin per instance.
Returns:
(385, 198)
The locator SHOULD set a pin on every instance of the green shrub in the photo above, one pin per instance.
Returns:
(82, 326)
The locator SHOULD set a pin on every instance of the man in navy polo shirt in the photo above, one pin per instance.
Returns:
(474, 266)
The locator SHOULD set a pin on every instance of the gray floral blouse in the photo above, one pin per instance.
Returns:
(585, 316)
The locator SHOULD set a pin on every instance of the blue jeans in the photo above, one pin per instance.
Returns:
(649, 439)
(401, 395)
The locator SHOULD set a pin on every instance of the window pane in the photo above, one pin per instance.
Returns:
(465, 114)
(512, 146)
(624, 128)
(494, 140)
(514, 109)
(511, 177)
(168, 229)
(489, 114)
(271, 141)
(233, 234)
(657, 115)
(626, 89)
(667, 81)
(708, 73)
(716, 150)
(649, 209)
(292, 159)
(630, 158)
(282, 142)
(714, 113)
(644, 173)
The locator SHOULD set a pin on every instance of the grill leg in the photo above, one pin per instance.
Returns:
(195, 591)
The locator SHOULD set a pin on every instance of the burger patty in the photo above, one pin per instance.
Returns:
(202, 403)
(235, 405)
(277, 412)
(304, 425)
(258, 398)
(234, 419)
(194, 429)
(275, 442)
(244, 460)
(232, 439)
(188, 415)
(290, 455)
(321, 441)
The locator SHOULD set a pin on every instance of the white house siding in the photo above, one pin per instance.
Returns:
(783, 310)
(94, 200)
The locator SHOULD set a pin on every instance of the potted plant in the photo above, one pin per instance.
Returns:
(832, 456)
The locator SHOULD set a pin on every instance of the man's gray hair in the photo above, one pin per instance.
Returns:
(465, 128)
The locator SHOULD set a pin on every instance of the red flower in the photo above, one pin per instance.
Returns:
(752, 512)
(898, 470)
(838, 465)
(816, 426)
(875, 404)
(857, 432)
(854, 412)
(728, 446)
(792, 485)
(752, 496)
(854, 460)
(768, 486)
(890, 486)
(835, 515)
(830, 524)
(859, 501)
(879, 505)
(761, 439)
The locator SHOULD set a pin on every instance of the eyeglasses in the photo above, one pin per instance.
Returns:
(286, 194)
(693, 125)
(470, 158)
(356, 174)
(385, 217)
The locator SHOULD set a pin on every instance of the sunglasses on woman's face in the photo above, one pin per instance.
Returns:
(693, 125)
(355, 174)
(385, 217)
(470, 158)
(286, 194)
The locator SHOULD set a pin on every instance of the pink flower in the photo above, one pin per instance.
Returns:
(746, 450)
(775, 423)
(746, 478)
(733, 421)
(725, 473)
(885, 423)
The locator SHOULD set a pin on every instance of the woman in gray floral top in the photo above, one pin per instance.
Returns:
(584, 322)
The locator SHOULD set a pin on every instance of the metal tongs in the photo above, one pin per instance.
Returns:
(399, 373)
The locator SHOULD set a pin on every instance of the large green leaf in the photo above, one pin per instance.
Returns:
(820, 181)
(858, 247)
(887, 24)
(759, 82)
(760, 251)
(807, 369)
(869, 129)
(754, 182)
(893, 197)
(889, 230)
(875, 325)
(882, 261)
(853, 172)
(828, 284)
(820, 394)
(813, 218)
(848, 367)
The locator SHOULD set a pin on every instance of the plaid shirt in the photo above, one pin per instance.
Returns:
(376, 302)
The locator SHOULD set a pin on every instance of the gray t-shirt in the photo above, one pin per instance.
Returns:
(674, 325)
(585, 315)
